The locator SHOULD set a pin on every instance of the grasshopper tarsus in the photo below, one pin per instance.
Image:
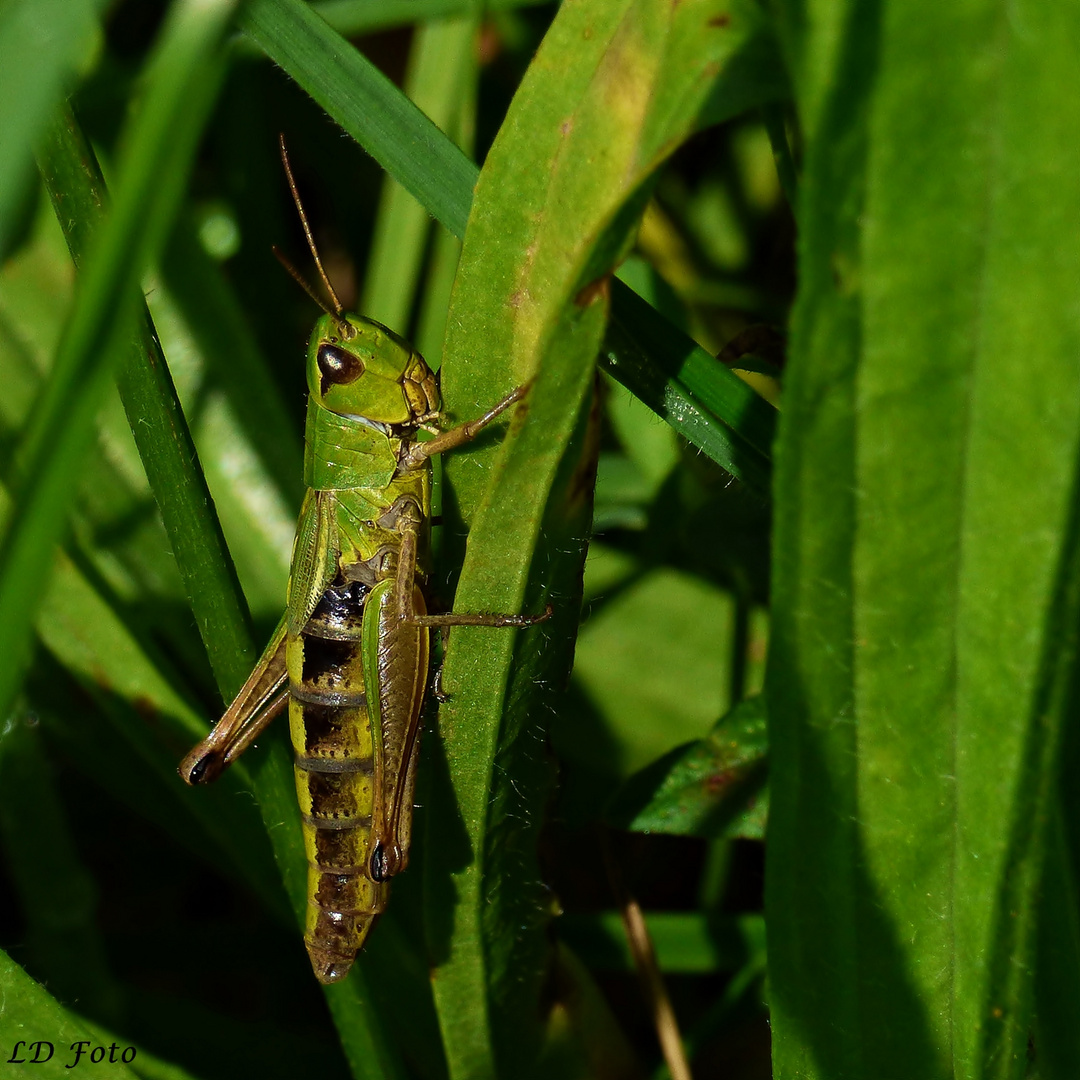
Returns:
(201, 768)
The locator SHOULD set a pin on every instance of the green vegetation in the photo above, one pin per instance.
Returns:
(823, 658)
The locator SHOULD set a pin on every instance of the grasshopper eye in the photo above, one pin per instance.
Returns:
(337, 366)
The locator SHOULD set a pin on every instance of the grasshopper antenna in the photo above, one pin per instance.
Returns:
(299, 279)
(311, 242)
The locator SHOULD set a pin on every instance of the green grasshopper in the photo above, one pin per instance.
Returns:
(351, 654)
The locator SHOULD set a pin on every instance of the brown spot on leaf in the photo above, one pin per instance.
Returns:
(489, 43)
(601, 287)
(718, 781)
(520, 414)
(719, 21)
(144, 707)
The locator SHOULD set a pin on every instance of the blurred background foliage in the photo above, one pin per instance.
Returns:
(153, 913)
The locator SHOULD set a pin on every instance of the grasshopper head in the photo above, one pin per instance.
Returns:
(356, 367)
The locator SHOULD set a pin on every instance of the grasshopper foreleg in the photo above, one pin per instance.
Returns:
(408, 525)
(417, 453)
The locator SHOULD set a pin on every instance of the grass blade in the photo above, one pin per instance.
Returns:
(352, 17)
(181, 84)
(172, 466)
(367, 105)
(212, 311)
(437, 73)
(41, 43)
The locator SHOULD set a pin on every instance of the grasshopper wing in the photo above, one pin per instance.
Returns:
(315, 557)
(314, 566)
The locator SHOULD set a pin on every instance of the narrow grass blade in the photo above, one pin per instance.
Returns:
(367, 105)
(446, 248)
(172, 466)
(42, 43)
(181, 84)
(352, 17)
(213, 313)
(434, 83)
(707, 404)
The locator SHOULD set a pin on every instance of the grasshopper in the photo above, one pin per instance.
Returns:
(350, 656)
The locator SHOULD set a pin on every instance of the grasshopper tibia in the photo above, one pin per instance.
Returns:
(481, 618)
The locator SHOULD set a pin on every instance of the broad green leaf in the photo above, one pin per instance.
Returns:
(713, 787)
(612, 91)
(924, 627)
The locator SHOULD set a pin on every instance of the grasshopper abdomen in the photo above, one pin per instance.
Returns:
(334, 743)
